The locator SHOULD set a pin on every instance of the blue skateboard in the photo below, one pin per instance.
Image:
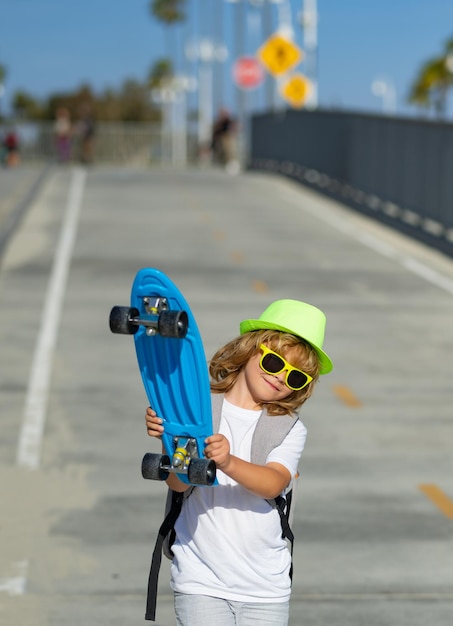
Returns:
(173, 367)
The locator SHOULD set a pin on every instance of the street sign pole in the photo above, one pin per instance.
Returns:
(309, 21)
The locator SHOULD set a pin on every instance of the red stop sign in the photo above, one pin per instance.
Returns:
(248, 72)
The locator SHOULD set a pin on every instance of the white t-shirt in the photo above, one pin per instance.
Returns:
(228, 540)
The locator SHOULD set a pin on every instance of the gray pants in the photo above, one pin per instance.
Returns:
(195, 610)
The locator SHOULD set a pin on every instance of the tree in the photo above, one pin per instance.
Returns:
(26, 106)
(129, 103)
(160, 73)
(73, 101)
(168, 11)
(433, 82)
(134, 102)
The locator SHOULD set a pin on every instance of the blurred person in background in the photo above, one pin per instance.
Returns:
(63, 133)
(224, 141)
(86, 130)
(10, 148)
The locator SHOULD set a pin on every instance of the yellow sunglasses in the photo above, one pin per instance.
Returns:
(273, 363)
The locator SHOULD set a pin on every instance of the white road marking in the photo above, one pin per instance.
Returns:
(16, 585)
(375, 243)
(34, 416)
(407, 261)
(428, 274)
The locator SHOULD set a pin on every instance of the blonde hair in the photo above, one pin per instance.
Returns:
(229, 360)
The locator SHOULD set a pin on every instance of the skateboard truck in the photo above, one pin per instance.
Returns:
(185, 460)
(185, 450)
(156, 317)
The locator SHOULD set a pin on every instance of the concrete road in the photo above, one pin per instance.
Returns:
(374, 510)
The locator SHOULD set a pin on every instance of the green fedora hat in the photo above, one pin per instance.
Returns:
(297, 318)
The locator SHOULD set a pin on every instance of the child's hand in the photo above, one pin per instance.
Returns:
(218, 449)
(153, 423)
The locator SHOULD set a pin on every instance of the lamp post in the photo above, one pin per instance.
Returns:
(172, 96)
(385, 89)
(308, 19)
(206, 52)
(2, 86)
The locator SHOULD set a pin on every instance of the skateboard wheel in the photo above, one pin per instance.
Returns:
(173, 324)
(153, 464)
(120, 320)
(201, 472)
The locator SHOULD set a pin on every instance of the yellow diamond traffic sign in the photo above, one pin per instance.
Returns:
(279, 54)
(296, 90)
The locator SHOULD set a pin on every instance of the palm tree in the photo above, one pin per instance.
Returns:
(169, 13)
(160, 73)
(433, 82)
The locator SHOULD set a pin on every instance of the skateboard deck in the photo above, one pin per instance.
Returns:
(174, 372)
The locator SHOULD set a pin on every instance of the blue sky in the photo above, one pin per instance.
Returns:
(56, 45)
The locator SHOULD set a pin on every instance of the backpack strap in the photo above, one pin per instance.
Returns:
(283, 506)
(173, 509)
(269, 433)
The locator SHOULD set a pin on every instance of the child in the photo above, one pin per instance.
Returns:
(231, 566)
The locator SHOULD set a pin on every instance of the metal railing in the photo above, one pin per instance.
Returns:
(113, 143)
(395, 169)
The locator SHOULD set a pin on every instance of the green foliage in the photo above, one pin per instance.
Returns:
(433, 82)
(168, 11)
(134, 102)
(161, 71)
(26, 107)
(131, 103)
(3, 73)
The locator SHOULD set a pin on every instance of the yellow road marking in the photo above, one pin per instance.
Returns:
(260, 286)
(237, 256)
(219, 235)
(438, 498)
(346, 396)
